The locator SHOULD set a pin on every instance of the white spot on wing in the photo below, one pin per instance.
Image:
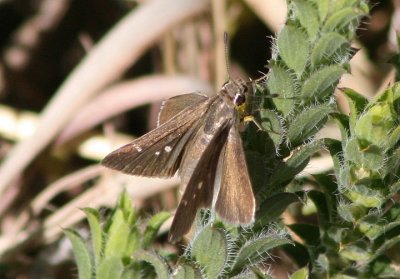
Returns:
(194, 196)
(157, 153)
(184, 203)
(138, 148)
(167, 149)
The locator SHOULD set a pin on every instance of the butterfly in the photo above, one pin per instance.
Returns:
(197, 137)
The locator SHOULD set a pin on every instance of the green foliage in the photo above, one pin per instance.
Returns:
(219, 253)
(117, 246)
(365, 189)
(300, 274)
(311, 54)
(358, 220)
(120, 250)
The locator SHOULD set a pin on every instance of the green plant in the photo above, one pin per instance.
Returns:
(120, 250)
(358, 220)
(116, 243)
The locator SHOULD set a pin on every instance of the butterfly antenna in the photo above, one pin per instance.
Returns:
(226, 47)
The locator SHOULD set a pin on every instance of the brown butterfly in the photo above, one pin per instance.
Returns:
(198, 137)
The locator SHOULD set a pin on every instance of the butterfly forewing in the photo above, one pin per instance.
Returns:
(158, 153)
(173, 106)
(235, 202)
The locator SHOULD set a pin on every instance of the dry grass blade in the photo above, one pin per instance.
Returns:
(103, 65)
(63, 184)
(127, 95)
(272, 12)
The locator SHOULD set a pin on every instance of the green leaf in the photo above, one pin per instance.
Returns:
(335, 150)
(300, 274)
(323, 8)
(342, 121)
(321, 84)
(393, 165)
(307, 124)
(369, 158)
(351, 212)
(210, 241)
(111, 267)
(294, 47)
(83, 258)
(387, 232)
(329, 186)
(382, 268)
(327, 48)
(357, 104)
(385, 246)
(272, 125)
(253, 251)
(96, 232)
(375, 124)
(371, 226)
(319, 199)
(122, 239)
(155, 260)
(125, 204)
(281, 82)
(308, 17)
(285, 171)
(341, 21)
(393, 139)
(272, 208)
(365, 196)
(132, 271)
(388, 96)
(256, 170)
(355, 252)
(152, 228)
(342, 4)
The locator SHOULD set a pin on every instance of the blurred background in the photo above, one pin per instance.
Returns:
(79, 78)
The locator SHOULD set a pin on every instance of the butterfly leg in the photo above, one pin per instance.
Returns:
(251, 118)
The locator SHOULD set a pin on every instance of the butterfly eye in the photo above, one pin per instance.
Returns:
(245, 88)
(239, 99)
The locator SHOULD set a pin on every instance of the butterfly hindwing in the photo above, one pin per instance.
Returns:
(199, 191)
(235, 202)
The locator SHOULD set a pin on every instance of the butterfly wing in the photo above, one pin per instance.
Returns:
(159, 152)
(235, 202)
(199, 191)
(173, 106)
(199, 165)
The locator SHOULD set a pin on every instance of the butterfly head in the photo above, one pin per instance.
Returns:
(235, 93)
